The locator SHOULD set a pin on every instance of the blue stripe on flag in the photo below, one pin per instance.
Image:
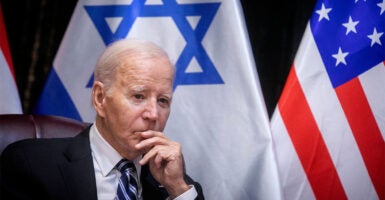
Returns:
(55, 99)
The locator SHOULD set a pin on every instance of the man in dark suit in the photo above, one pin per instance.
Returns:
(131, 94)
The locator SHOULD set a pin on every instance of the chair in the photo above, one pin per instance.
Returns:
(14, 127)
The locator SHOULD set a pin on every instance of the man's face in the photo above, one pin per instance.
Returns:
(139, 100)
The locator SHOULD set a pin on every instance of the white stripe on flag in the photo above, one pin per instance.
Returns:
(373, 83)
(292, 176)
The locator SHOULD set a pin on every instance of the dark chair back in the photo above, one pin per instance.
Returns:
(14, 127)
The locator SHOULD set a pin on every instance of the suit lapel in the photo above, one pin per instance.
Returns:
(78, 172)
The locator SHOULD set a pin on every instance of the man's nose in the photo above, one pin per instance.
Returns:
(151, 110)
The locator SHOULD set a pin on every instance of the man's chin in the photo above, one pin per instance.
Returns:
(133, 155)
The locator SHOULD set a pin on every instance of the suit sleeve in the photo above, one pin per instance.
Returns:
(197, 186)
(152, 190)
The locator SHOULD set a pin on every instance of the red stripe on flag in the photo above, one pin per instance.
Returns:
(365, 131)
(308, 141)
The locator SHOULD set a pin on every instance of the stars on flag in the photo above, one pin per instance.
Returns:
(350, 25)
(375, 37)
(382, 6)
(340, 57)
(351, 42)
(323, 13)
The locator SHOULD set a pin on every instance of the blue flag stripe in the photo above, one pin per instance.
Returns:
(55, 100)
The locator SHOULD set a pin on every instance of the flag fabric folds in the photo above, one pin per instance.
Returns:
(329, 125)
(218, 112)
(9, 96)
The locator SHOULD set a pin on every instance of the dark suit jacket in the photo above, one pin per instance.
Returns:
(60, 169)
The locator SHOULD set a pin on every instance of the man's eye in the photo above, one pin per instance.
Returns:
(164, 101)
(138, 96)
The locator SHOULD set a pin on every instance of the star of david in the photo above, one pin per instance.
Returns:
(179, 13)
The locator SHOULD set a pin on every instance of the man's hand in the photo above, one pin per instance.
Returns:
(165, 160)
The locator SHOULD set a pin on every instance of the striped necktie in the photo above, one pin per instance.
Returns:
(128, 182)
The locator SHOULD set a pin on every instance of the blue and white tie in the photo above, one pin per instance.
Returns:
(128, 183)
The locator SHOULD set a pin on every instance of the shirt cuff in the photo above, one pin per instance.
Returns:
(190, 194)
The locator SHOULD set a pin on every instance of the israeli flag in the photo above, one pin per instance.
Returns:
(218, 112)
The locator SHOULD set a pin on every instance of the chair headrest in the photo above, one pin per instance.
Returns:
(14, 127)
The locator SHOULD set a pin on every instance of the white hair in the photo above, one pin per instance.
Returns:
(121, 51)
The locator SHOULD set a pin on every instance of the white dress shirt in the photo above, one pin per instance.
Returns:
(105, 157)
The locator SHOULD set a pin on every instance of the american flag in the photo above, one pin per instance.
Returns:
(329, 126)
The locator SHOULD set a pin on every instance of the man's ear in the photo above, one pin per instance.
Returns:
(98, 97)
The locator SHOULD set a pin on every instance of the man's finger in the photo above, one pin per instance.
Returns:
(151, 142)
(150, 133)
(149, 155)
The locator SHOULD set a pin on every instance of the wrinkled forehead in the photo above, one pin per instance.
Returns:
(139, 71)
(145, 64)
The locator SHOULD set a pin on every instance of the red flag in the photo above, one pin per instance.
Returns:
(9, 96)
(329, 125)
